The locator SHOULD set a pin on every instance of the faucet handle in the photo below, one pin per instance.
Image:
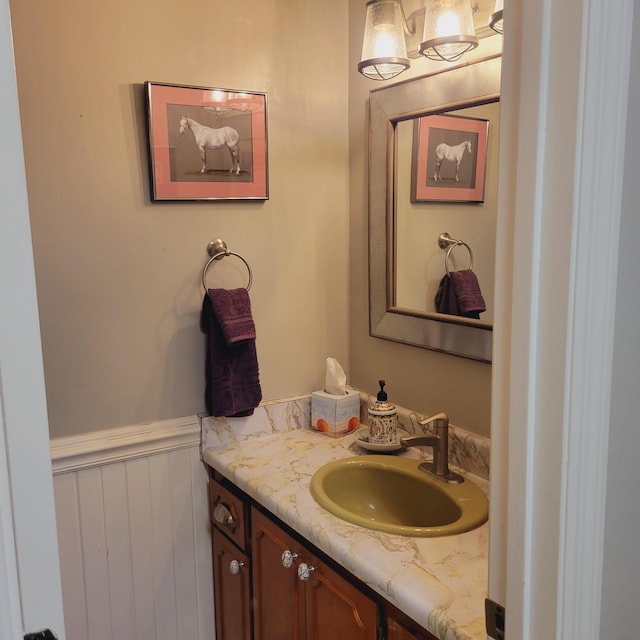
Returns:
(439, 421)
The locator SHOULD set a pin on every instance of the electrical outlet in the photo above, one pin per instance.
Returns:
(494, 617)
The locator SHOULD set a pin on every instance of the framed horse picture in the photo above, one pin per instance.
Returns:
(206, 143)
(449, 157)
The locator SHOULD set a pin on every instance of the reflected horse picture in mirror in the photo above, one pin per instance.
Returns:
(442, 144)
(406, 264)
(450, 154)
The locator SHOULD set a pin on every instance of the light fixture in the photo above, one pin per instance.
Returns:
(448, 34)
(448, 30)
(384, 49)
(495, 19)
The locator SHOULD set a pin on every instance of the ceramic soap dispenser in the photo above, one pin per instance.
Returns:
(383, 419)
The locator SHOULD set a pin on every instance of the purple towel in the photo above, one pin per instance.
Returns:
(231, 374)
(233, 310)
(446, 301)
(459, 294)
(467, 288)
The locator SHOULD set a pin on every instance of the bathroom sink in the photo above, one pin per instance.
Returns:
(391, 494)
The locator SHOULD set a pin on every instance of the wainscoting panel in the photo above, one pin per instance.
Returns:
(134, 538)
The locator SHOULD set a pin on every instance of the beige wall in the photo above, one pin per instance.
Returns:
(118, 277)
(423, 380)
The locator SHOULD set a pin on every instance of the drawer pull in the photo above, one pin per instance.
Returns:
(305, 571)
(222, 515)
(235, 566)
(288, 558)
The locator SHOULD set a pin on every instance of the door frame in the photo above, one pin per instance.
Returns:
(564, 83)
(31, 587)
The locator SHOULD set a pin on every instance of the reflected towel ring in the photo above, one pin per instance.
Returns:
(217, 249)
(451, 248)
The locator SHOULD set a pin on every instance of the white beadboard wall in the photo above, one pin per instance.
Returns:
(134, 535)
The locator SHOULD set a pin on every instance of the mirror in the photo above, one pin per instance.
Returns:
(419, 265)
(471, 90)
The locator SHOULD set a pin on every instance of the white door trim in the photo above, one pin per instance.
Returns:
(564, 88)
(28, 511)
(10, 611)
(591, 325)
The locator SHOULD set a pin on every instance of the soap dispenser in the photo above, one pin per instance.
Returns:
(383, 419)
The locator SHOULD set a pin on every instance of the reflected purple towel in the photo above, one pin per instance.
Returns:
(459, 295)
(231, 373)
(446, 301)
(467, 288)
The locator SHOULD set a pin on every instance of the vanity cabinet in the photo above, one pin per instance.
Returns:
(269, 584)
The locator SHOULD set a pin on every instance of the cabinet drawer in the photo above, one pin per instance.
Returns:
(229, 513)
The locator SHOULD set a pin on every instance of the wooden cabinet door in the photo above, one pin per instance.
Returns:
(335, 608)
(278, 595)
(232, 593)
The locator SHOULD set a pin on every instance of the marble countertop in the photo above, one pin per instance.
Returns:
(441, 583)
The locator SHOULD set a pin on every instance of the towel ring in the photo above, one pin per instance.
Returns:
(217, 249)
(451, 248)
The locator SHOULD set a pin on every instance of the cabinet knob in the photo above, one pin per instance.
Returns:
(235, 566)
(288, 558)
(222, 515)
(305, 571)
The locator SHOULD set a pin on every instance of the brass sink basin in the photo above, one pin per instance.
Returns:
(391, 494)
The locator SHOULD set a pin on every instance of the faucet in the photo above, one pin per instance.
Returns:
(440, 445)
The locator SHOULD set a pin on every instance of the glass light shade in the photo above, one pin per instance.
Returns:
(448, 30)
(495, 19)
(384, 49)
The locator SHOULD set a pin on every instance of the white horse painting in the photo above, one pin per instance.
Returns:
(209, 138)
(451, 154)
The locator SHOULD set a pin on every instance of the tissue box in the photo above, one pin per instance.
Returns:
(334, 415)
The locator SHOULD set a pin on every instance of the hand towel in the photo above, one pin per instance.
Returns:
(446, 301)
(459, 295)
(233, 310)
(232, 379)
(468, 294)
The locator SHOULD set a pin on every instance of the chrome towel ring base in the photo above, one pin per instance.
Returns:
(218, 249)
